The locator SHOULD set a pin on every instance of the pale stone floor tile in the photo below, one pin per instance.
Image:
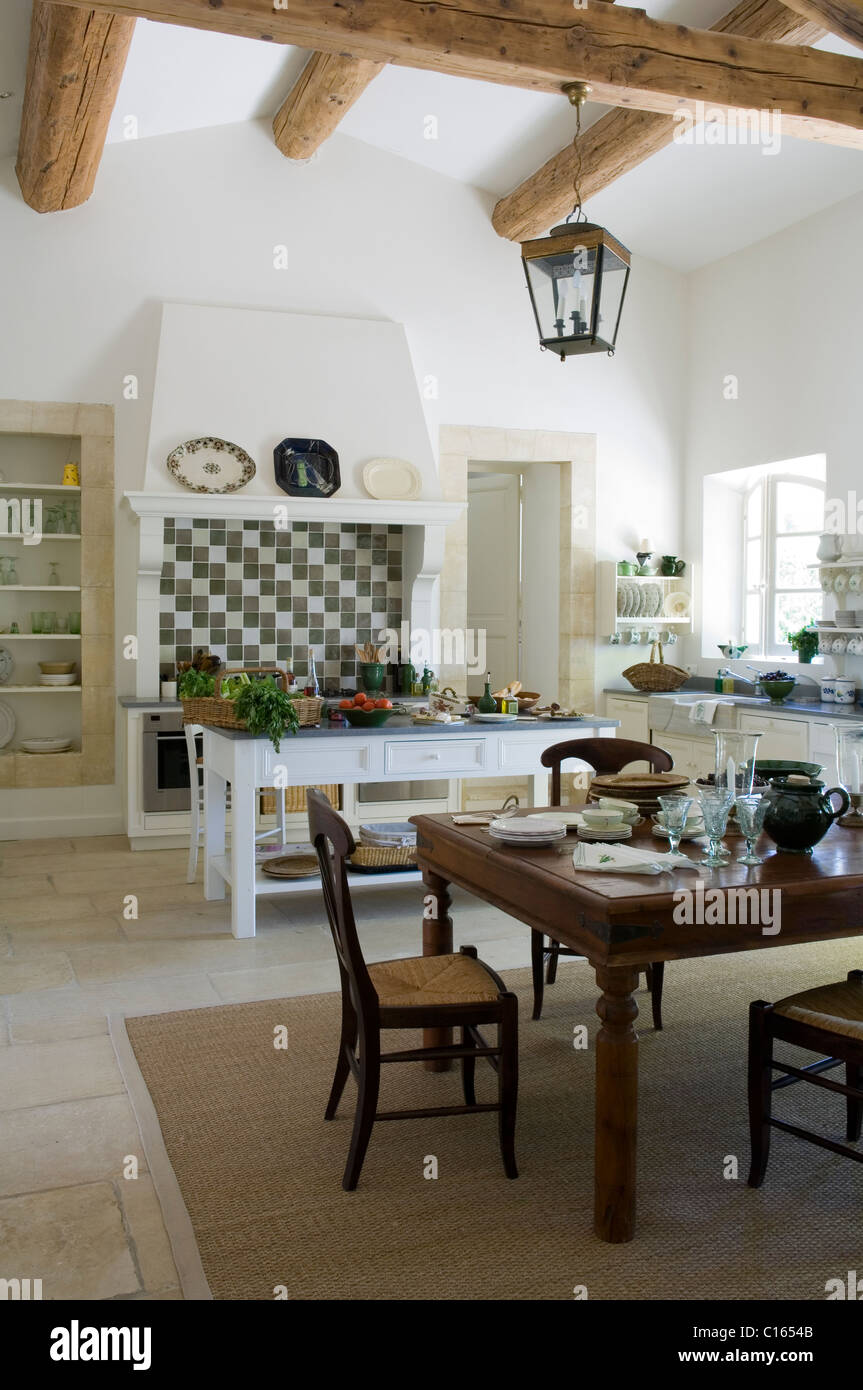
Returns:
(192, 920)
(152, 899)
(28, 938)
(147, 1230)
(72, 1238)
(237, 986)
(26, 849)
(12, 868)
(47, 905)
(27, 886)
(163, 1296)
(98, 844)
(120, 881)
(80, 1141)
(152, 959)
(48, 970)
(43, 1073)
(83, 1010)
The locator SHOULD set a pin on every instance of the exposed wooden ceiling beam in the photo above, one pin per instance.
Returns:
(629, 59)
(74, 69)
(841, 17)
(622, 140)
(327, 87)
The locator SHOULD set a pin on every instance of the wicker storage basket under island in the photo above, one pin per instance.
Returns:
(221, 714)
(656, 675)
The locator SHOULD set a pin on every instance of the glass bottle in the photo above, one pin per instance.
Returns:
(12, 577)
(312, 686)
(486, 704)
(53, 576)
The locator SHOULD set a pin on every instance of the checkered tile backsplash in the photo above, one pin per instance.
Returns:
(256, 595)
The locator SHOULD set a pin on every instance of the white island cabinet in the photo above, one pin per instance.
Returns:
(397, 752)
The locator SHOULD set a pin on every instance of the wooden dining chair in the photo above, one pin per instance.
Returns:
(605, 756)
(827, 1019)
(418, 992)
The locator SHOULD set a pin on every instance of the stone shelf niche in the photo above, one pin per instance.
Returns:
(36, 439)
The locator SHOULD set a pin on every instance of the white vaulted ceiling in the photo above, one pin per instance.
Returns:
(684, 207)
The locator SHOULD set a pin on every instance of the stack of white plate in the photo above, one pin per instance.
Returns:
(69, 679)
(519, 830)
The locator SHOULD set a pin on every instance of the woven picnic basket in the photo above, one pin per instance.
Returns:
(656, 675)
(221, 714)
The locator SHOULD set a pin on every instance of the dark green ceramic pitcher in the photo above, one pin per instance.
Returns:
(801, 812)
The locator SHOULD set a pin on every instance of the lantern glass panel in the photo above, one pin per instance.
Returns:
(562, 286)
(614, 273)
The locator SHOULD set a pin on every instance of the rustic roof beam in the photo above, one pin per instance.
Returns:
(74, 69)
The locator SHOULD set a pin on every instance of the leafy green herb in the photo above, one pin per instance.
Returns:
(605, 859)
(195, 685)
(265, 709)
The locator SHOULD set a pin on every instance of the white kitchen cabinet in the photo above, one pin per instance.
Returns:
(822, 749)
(632, 715)
(780, 738)
(693, 757)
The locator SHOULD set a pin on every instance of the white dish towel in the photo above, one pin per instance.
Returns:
(704, 711)
(625, 859)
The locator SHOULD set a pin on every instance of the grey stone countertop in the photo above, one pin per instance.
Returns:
(814, 709)
(403, 728)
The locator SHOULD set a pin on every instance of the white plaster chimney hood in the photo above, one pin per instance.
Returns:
(255, 377)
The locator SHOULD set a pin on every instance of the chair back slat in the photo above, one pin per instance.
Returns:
(334, 844)
(605, 756)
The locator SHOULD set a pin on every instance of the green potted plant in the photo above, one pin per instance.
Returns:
(804, 642)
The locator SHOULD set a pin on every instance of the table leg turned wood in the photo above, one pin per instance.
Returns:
(616, 1104)
(437, 941)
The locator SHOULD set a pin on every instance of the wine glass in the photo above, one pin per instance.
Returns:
(751, 811)
(675, 809)
(715, 805)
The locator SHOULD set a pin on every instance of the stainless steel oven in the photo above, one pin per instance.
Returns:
(369, 792)
(165, 763)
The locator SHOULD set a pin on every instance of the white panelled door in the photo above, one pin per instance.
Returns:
(493, 564)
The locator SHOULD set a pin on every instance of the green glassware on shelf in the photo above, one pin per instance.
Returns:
(486, 704)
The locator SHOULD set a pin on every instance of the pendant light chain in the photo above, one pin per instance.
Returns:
(577, 211)
(578, 92)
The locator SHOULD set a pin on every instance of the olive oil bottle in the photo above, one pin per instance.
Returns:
(487, 704)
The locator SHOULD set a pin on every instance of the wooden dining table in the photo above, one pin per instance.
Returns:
(623, 922)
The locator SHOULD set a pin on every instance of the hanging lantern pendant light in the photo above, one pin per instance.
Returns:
(578, 274)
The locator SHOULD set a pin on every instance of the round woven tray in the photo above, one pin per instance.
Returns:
(292, 866)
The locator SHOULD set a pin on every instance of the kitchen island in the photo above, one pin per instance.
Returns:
(396, 751)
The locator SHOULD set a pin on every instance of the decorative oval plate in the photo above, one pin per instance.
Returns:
(392, 480)
(7, 665)
(211, 465)
(7, 724)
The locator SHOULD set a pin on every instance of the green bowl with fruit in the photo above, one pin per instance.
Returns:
(367, 712)
(777, 686)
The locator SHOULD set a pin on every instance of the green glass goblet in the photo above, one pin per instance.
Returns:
(715, 805)
(751, 811)
(675, 809)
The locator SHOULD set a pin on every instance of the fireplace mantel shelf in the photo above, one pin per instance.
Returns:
(245, 507)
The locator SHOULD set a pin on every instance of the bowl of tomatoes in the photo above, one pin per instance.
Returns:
(367, 711)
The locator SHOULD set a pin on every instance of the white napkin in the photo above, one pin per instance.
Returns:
(703, 711)
(624, 859)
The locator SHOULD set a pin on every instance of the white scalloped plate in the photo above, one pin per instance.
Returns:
(392, 480)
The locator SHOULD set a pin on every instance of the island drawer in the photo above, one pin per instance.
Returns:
(435, 756)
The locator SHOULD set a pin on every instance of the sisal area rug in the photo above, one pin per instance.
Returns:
(249, 1174)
